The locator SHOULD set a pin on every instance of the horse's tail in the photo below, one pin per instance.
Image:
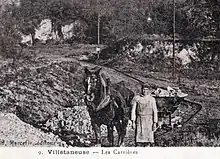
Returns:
(129, 102)
(127, 95)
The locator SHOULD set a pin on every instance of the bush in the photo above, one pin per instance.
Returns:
(9, 39)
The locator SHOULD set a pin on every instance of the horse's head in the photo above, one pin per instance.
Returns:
(92, 83)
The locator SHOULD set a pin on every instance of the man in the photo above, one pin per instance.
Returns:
(144, 117)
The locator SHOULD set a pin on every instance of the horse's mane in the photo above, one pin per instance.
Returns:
(103, 79)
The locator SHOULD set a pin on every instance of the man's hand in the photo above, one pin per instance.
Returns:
(133, 125)
(129, 123)
(154, 126)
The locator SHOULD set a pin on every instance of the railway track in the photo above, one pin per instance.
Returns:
(190, 110)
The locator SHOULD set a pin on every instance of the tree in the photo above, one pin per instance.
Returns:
(9, 37)
(28, 16)
(62, 13)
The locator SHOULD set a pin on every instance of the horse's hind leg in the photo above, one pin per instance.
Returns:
(124, 129)
(110, 135)
(121, 129)
(118, 126)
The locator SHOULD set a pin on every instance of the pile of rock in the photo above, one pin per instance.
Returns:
(170, 92)
(16, 133)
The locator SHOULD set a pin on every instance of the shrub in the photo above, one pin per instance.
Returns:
(9, 38)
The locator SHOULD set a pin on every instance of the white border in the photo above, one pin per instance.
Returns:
(98, 153)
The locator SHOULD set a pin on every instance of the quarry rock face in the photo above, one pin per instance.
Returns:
(36, 91)
(45, 32)
(139, 49)
(45, 90)
(48, 95)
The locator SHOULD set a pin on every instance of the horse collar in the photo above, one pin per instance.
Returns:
(90, 98)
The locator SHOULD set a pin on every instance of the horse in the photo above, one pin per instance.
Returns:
(107, 104)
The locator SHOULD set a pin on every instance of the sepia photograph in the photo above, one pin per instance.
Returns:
(109, 74)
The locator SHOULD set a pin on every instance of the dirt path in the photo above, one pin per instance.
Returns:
(133, 82)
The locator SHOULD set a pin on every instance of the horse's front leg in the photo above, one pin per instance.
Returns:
(97, 131)
(110, 135)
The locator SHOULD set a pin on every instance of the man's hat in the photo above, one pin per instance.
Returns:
(145, 85)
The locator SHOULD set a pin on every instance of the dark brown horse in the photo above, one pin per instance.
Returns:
(107, 104)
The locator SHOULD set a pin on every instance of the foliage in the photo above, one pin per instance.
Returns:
(194, 19)
(9, 38)
(105, 29)
(61, 13)
(197, 19)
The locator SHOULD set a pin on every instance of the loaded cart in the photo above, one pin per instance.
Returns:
(174, 109)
